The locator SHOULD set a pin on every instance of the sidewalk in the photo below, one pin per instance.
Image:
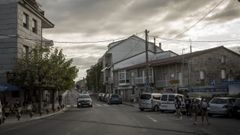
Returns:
(131, 104)
(25, 117)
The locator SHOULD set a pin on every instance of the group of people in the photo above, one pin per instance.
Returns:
(193, 108)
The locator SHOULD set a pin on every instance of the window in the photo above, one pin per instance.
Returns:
(25, 20)
(223, 74)
(34, 26)
(202, 75)
(122, 76)
(223, 59)
(26, 51)
(171, 98)
(145, 96)
(164, 97)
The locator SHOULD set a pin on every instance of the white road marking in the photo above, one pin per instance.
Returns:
(151, 118)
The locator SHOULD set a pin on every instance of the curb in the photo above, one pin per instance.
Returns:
(36, 118)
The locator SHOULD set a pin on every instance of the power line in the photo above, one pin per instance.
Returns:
(201, 19)
(68, 42)
(199, 41)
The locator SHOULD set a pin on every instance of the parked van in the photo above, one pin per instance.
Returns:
(167, 102)
(150, 101)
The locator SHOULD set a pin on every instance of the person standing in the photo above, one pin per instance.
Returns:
(178, 107)
(188, 106)
(195, 110)
(204, 112)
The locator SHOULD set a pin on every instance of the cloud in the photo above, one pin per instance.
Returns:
(94, 20)
(84, 62)
(228, 13)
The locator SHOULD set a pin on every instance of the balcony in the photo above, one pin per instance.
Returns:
(123, 82)
(142, 80)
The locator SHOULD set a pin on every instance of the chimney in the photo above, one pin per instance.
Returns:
(160, 45)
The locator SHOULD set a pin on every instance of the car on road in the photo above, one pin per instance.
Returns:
(84, 100)
(150, 101)
(167, 102)
(221, 106)
(236, 108)
(114, 99)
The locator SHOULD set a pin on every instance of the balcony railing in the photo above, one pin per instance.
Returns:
(142, 80)
(123, 82)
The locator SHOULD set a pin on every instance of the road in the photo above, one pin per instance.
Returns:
(105, 119)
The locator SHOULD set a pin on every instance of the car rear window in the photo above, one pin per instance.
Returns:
(145, 96)
(164, 97)
(219, 101)
(171, 98)
(115, 96)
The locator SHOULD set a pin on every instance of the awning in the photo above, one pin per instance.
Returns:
(8, 87)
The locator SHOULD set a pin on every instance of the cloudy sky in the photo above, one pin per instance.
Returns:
(96, 20)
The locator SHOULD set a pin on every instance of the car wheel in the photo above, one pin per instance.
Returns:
(156, 108)
(141, 109)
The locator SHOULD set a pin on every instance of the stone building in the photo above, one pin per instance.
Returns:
(204, 72)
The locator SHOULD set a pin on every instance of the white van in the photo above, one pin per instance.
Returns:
(167, 102)
(150, 101)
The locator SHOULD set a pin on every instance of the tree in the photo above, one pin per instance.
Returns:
(44, 69)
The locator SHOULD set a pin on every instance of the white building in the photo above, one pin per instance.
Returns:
(126, 53)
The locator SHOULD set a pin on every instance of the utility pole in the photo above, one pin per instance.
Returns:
(189, 65)
(147, 63)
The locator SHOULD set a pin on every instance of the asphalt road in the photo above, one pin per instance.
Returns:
(105, 119)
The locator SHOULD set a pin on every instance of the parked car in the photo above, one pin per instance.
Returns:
(221, 106)
(84, 100)
(1, 113)
(99, 96)
(167, 102)
(236, 108)
(105, 99)
(102, 97)
(150, 101)
(114, 99)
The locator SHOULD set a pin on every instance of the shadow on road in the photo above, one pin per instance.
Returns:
(131, 126)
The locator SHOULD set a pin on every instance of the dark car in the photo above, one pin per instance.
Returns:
(236, 108)
(114, 99)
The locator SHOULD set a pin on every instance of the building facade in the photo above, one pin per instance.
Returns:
(199, 71)
(126, 53)
(21, 27)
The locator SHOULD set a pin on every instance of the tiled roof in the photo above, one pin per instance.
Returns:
(177, 59)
